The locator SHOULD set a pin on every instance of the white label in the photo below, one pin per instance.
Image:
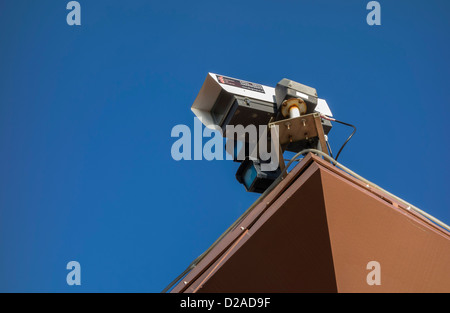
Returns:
(302, 95)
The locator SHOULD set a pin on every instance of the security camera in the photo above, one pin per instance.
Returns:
(253, 177)
(224, 100)
(288, 89)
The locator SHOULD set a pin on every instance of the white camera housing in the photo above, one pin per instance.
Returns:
(224, 100)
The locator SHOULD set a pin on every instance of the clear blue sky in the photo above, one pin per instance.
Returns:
(86, 114)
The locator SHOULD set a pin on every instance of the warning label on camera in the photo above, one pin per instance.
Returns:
(240, 83)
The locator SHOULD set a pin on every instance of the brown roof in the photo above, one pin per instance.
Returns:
(316, 231)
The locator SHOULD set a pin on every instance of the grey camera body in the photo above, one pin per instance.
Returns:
(287, 89)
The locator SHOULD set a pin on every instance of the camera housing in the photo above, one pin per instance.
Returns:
(226, 101)
(253, 178)
(287, 89)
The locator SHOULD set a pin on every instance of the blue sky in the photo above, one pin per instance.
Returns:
(86, 114)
